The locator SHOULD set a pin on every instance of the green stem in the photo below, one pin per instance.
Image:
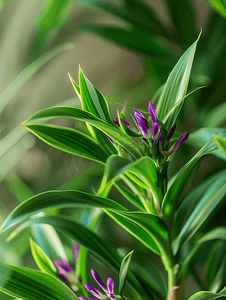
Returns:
(171, 278)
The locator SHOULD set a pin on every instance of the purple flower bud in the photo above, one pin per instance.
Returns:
(111, 296)
(124, 121)
(167, 153)
(171, 132)
(98, 280)
(142, 124)
(110, 285)
(181, 140)
(110, 139)
(76, 251)
(85, 298)
(155, 130)
(92, 290)
(62, 276)
(152, 111)
(63, 266)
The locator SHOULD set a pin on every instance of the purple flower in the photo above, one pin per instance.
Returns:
(124, 121)
(155, 124)
(181, 140)
(65, 271)
(142, 124)
(171, 132)
(109, 290)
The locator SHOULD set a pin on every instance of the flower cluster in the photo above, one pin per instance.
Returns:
(66, 272)
(157, 139)
(109, 290)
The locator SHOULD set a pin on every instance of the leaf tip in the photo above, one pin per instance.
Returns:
(22, 125)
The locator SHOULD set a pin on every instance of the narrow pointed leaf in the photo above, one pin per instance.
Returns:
(152, 224)
(206, 198)
(206, 296)
(26, 74)
(41, 259)
(57, 199)
(202, 136)
(176, 87)
(131, 38)
(74, 113)
(123, 271)
(221, 143)
(218, 233)
(69, 140)
(171, 201)
(30, 284)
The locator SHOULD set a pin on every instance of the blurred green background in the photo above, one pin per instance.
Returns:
(127, 49)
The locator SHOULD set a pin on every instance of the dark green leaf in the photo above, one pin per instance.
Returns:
(69, 140)
(132, 38)
(123, 271)
(197, 207)
(30, 284)
(71, 112)
(57, 199)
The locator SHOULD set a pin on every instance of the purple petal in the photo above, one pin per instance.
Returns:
(85, 298)
(111, 296)
(92, 290)
(63, 266)
(142, 123)
(110, 285)
(167, 153)
(62, 276)
(152, 111)
(98, 280)
(161, 138)
(171, 132)
(181, 140)
(110, 139)
(124, 121)
(76, 251)
(155, 130)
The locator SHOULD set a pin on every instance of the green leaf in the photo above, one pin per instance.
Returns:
(176, 87)
(206, 296)
(221, 143)
(102, 250)
(216, 116)
(181, 180)
(136, 230)
(152, 225)
(129, 196)
(218, 5)
(184, 24)
(219, 280)
(69, 140)
(92, 100)
(30, 284)
(26, 74)
(213, 263)
(57, 199)
(123, 271)
(144, 168)
(41, 259)
(131, 38)
(143, 16)
(74, 113)
(202, 136)
(197, 207)
(218, 233)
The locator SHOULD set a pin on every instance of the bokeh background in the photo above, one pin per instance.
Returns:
(126, 48)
